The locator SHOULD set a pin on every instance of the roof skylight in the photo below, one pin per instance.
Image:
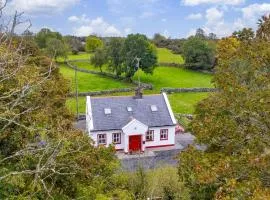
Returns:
(107, 111)
(154, 108)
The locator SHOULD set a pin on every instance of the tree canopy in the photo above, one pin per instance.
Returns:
(93, 43)
(198, 53)
(138, 46)
(41, 155)
(234, 125)
(56, 48)
(99, 58)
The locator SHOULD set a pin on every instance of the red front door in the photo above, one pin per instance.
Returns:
(135, 143)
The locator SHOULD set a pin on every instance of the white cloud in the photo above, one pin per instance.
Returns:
(213, 16)
(164, 20)
(254, 11)
(194, 16)
(96, 26)
(40, 6)
(221, 2)
(73, 18)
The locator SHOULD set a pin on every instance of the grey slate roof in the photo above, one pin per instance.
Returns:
(119, 116)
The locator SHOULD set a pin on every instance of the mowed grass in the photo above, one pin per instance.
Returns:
(186, 102)
(87, 65)
(180, 102)
(162, 77)
(166, 56)
(175, 78)
(91, 82)
(81, 55)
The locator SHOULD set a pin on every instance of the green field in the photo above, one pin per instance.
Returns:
(175, 77)
(166, 56)
(91, 82)
(162, 77)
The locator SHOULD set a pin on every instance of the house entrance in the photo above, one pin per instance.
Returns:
(135, 143)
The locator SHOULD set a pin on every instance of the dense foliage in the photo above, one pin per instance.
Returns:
(93, 43)
(99, 58)
(198, 53)
(41, 154)
(52, 43)
(138, 46)
(234, 125)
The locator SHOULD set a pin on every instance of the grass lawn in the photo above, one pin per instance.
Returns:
(87, 65)
(80, 56)
(162, 77)
(166, 56)
(185, 102)
(180, 102)
(91, 82)
(175, 77)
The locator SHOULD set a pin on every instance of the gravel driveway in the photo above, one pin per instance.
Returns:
(153, 159)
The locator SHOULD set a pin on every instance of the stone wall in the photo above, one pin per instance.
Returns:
(104, 92)
(146, 86)
(180, 90)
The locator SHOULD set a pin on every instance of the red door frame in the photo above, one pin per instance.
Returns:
(135, 143)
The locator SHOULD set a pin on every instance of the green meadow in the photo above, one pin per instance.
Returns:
(166, 56)
(162, 77)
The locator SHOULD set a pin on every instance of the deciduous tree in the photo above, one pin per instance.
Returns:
(234, 125)
(93, 43)
(138, 46)
(99, 58)
(198, 53)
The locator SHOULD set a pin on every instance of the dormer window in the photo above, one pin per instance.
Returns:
(107, 111)
(154, 108)
(129, 109)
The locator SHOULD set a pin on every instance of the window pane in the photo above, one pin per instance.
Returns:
(116, 138)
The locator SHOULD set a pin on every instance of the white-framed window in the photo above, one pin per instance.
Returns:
(101, 139)
(163, 134)
(149, 135)
(116, 138)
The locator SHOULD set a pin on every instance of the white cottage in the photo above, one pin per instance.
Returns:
(131, 123)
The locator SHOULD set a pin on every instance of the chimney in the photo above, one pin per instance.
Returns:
(138, 93)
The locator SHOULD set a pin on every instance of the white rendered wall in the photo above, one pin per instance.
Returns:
(157, 141)
(93, 135)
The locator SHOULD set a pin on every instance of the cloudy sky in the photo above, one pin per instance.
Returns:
(172, 18)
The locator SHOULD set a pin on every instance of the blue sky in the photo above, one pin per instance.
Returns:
(172, 18)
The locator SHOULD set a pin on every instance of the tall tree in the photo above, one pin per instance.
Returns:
(138, 46)
(99, 58)
(263, 31)
(115, 57)
(93, 43)
(44, 35)
(198, 53)
(57, 48)
(74, 43)
(234, 125)
(41, 155)
(244, 35)
(200, 33)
